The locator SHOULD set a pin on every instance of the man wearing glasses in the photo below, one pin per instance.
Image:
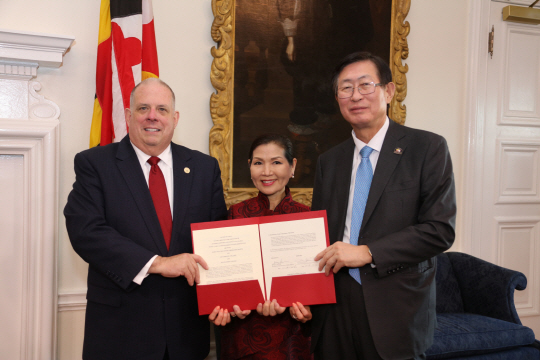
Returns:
(390, 198)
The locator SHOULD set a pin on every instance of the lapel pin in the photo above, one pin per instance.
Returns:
(186, 170)
(398, 151)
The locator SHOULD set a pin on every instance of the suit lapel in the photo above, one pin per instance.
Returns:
(386, 164)
(130, 168)
(183, 179)
(343, 184)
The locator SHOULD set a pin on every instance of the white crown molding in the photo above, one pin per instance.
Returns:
(14, 70)
(35, 48)
(21, 53)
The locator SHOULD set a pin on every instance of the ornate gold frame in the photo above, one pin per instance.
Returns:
(222, 77)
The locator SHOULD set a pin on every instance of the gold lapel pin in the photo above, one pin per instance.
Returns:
(186, 170)
(398, 151)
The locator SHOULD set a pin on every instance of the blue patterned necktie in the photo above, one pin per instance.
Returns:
(364, 174)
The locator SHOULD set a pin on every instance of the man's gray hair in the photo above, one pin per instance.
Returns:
(146, 81)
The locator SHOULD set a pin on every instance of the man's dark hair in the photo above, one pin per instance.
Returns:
(280, 140)
(383, 70)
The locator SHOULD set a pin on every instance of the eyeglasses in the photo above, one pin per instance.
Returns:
(364, 89)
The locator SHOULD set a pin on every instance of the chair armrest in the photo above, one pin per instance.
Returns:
(487, 289)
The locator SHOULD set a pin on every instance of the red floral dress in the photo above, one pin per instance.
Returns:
(265, 337)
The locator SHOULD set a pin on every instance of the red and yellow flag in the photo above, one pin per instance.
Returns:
(126, 55)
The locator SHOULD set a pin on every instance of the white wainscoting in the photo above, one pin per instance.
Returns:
(72, 301)
(76, 301)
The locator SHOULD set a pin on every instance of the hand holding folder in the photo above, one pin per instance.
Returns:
(257, 259)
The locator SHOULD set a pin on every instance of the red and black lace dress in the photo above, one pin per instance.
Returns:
(277, 337)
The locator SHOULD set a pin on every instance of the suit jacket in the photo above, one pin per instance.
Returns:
(409, 219)
(113, 226)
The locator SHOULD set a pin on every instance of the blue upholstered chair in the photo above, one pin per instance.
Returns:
(476, 316)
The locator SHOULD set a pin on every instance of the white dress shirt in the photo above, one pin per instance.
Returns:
(166, 166)
(376, 144)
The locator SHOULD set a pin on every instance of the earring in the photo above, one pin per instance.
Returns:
(292, 176)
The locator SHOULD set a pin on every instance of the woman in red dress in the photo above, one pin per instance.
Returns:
(272, 332)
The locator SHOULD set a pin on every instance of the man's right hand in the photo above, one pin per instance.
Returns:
(340, 254)
(179, 265)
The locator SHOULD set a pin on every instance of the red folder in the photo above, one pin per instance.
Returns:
(308, 289)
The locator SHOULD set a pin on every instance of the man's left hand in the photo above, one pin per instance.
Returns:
(341, 254)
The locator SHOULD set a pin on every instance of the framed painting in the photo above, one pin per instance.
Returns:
(271, 71)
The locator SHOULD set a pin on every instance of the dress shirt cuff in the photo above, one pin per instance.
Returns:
(144, 272)
(373, 266)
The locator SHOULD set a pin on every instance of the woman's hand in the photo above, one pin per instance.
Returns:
(270, 308)
(219, 317)
(222, 317)
(300, 312)
(241, 314)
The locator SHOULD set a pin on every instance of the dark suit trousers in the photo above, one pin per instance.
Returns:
(346, 334)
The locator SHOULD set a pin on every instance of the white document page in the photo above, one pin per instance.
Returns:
(289, 248)
(232, 254)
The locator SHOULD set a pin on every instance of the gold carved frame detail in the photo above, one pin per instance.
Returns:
(222, 101)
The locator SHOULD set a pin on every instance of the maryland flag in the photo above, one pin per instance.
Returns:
(126, 55)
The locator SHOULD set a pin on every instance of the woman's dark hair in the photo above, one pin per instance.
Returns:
(280, 140)
(383, 70)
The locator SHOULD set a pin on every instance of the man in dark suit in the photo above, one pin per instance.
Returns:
(383, 250)
(141, 300)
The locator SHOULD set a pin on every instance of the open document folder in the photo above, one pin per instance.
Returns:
(262, 258)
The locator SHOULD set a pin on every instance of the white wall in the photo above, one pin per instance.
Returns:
(436, 82)
(435, 100)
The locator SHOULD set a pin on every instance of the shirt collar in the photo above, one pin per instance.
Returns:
(376, 142)
(165, 156)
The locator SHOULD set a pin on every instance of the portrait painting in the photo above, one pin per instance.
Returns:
(272, 71)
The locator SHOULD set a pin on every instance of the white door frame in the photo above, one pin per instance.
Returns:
(475, 101)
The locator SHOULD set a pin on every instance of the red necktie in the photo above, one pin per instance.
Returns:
(158, 190)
